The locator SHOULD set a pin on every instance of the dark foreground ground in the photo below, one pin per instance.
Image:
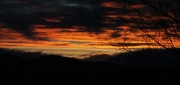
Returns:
(56, 70)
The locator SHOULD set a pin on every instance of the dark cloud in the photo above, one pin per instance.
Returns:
(132, 44)
(21, 15)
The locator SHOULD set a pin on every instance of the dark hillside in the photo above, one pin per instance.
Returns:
(169, 58)
(51, 69)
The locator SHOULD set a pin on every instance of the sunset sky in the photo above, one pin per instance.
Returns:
(74, 28)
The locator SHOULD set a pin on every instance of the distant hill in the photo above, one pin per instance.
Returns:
(97, 57)
(52, 69)
(169, 58)
(22, 54)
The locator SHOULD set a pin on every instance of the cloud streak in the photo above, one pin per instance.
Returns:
(46, 21)
(22, 15)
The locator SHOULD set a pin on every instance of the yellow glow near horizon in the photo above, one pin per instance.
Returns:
(57, 39)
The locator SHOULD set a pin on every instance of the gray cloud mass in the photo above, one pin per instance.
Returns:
(21, 15)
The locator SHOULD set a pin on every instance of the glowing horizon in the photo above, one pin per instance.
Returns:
(72, 42)
(70, 25)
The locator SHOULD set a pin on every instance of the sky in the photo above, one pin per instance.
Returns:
(75, 28)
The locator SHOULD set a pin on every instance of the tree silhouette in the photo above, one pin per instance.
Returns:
(159, 20)
(159, 23)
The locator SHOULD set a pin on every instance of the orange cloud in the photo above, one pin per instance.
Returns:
(111, 5)
(136, 6)
(57, 38)
(53, 20)
(8, 34)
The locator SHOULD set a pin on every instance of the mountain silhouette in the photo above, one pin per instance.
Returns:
(9, 60)
(53, 69)
(97, 57)
(20, 53)
(165, 58)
